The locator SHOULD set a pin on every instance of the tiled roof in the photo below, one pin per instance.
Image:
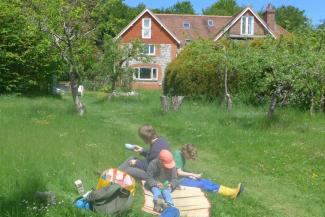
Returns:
(199, 27)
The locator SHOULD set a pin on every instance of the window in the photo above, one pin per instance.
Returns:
(210, 23)
(247, 25)
(146, 28)
(150, 49)
(186, 25)
(146, 74)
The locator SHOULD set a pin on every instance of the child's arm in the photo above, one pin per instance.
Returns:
(152, 168)
(180, 172)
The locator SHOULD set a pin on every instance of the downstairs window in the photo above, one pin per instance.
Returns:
(145, 74)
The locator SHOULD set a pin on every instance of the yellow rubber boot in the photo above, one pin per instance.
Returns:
(231, 192)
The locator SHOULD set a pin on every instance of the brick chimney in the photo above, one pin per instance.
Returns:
(269, 16)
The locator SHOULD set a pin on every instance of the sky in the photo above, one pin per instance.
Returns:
(314, 9)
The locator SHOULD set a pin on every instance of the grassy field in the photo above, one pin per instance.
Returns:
(45, 146)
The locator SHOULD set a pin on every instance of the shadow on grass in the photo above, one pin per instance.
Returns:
(21, 202)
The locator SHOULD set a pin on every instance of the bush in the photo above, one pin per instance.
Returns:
(291, 68)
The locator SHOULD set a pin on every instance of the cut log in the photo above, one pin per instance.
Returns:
(177, 102)
(164, 101)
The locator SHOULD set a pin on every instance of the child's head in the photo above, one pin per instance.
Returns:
(189, 151)
(166, 159)
(147, 133)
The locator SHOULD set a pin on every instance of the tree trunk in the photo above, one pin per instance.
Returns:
(112, 93)
(322, 103)
(164, 100)
(227, 96)
(312, 104)
(273, 102)
(177, 102)
(80, 107)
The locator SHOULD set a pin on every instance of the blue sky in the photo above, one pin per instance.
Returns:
(314, 9)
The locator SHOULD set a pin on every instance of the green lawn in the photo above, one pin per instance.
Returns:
(45, 146)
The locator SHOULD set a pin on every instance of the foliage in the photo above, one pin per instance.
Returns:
(27, 62)
(223, 8)
(187, 76)
(113, 62)
(292, 69)
(291, 18)
(112, 16)
(183, 7)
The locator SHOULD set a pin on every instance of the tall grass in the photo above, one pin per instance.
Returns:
(46, 146)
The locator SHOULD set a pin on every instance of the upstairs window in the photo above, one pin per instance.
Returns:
(210, 23)
(145, 74)
(146, 28)
(186, 25)
(150, 49)
(247, 25)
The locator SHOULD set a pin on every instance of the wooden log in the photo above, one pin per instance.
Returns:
(177, 102)
(164, 101)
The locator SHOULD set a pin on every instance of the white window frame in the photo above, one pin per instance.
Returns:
(146, 29)
(137, 70)
(246, 20)
(186, 22)
(210, 23)
(147, 51)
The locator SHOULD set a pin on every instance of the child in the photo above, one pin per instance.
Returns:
(137, 168)
(189, 152)
(162, 179)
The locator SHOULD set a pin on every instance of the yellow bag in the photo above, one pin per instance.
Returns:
(116, 176)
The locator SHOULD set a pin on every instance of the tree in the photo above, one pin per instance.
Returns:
(184, 7)
(112, 16)
(67, 25)
(223, 8)
(114, 61)
(26, 58)
(291, 18)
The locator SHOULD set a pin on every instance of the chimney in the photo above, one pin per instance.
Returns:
(269, 16)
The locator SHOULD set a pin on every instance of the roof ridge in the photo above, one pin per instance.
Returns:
(193, 15)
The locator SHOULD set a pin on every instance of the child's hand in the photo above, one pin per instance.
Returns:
(198, 176)
(132, 162)
(138, 149)
(160, 185)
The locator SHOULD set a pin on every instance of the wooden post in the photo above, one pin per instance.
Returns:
(164, 100)
(177, 102)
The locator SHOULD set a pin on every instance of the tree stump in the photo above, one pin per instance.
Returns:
(164, 101)
(177, 102)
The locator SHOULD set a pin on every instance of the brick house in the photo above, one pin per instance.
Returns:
(165, 35)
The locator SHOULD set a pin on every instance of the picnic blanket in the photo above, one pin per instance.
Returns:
(190, 201)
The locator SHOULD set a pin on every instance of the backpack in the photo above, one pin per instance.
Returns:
(114, 193)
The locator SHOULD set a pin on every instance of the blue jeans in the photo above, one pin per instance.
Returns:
(204, 184)
(166, 194)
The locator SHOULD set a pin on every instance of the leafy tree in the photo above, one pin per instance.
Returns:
(66, 24)
(27, 62)
(184, 7)
(112, 16)
(114, 61)
(223, 8)
(291, 18)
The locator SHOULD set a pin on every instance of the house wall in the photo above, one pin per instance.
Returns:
(258, 27)
(166, 50)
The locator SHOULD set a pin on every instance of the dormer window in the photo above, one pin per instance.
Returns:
(210, 23)
(247, 25)
(186, 25)
(146, 28)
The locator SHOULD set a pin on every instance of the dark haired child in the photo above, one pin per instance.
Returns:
(189, 152)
